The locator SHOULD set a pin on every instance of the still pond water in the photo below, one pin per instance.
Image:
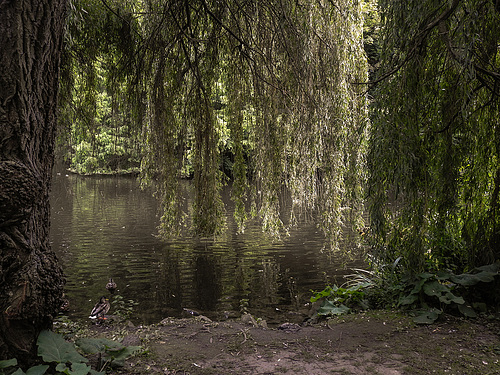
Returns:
(106, 227)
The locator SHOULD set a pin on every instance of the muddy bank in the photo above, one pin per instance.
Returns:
(380, 342)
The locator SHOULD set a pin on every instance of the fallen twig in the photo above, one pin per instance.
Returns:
(244, 334)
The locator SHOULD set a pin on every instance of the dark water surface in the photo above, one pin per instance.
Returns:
(105, 227)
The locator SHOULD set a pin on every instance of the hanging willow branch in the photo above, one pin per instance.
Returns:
(287, 113)
(433, 149)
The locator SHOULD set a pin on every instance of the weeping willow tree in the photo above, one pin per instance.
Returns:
(286, 71)
(272, 81)
(434, 148)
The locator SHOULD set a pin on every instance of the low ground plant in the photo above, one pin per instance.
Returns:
(425, 295)
(64, 358)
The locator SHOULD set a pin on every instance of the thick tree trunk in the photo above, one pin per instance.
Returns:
(31, 280)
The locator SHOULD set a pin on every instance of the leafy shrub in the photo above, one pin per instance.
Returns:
(112, 352)
(432, 293)
(427, 295)
(55, 350)
(338, 300)
(122, 308)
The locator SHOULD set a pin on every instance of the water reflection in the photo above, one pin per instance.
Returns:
(105, 227)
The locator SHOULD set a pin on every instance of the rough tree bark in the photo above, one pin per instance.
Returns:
(31, 281)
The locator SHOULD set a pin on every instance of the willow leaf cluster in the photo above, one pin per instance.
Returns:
(433, 158)
(285, 73)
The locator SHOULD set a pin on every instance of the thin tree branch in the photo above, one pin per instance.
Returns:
(418, 41)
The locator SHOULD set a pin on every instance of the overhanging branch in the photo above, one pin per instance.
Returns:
(418, 41)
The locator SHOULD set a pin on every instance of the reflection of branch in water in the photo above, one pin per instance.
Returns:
(294, 293)
(269, 280)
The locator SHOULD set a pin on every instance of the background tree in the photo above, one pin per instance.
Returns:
(31, 281)
(434, 155)
(98, 129)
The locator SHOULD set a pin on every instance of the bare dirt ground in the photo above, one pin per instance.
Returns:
(380, 342)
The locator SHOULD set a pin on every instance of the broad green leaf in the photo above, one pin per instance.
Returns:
(408, 300)
(117, 358)
(467, 311)
(465, 279)
(8, 363)
(435, 288)
(90, 346)
(425, 275)
(449, 297)
(340, 310)
(324, 293)
(79, 369)
(494, 268)
(364, 285)
(93, 346)
(356, 287)
(328, 308)
(418, 286)
(443, 275)
(37, 370)
(125, 352)
(19, 372)
(427, 316)
(485, 276)
(119, 362)
(61, 367)
(128, 350)
(53, 348)
(113, 351)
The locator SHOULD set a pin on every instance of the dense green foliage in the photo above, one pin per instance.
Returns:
(99, 133)
(434, 145)
(425, 295)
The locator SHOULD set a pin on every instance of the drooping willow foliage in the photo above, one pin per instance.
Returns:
(273, 82)
(97, 113)
(435, 141)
